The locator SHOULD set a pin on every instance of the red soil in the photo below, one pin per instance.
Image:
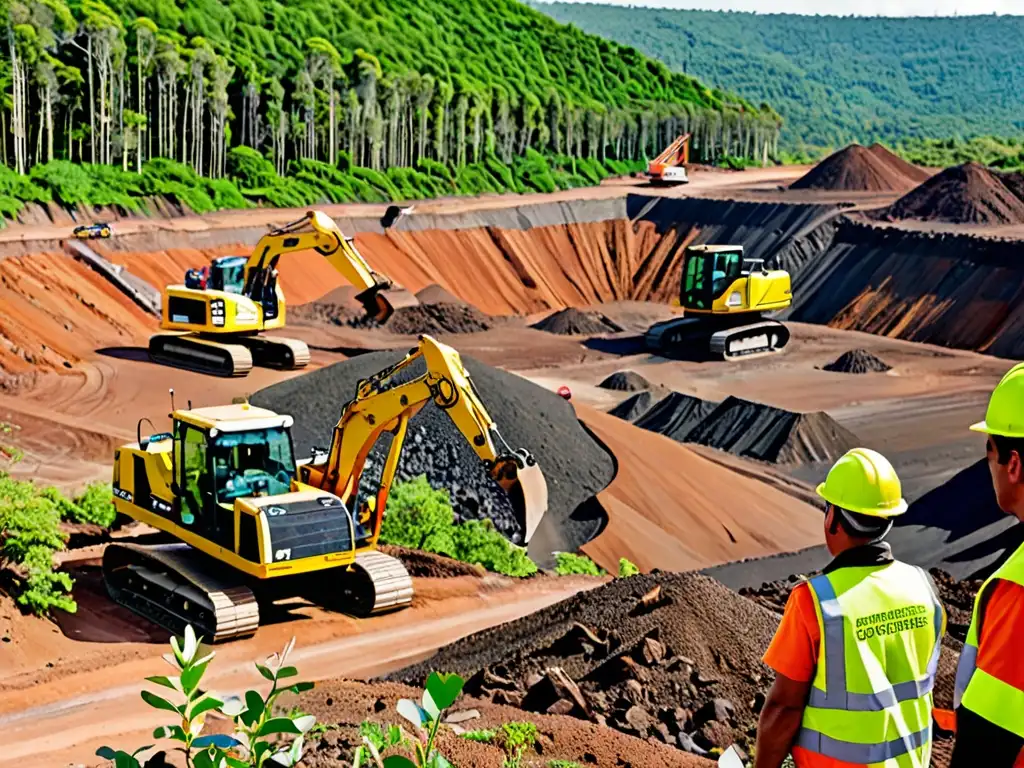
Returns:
(857, 168)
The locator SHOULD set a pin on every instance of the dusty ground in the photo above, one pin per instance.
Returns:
(64, 695)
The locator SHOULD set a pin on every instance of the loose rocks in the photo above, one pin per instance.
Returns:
(437, 319)
(858, 361)
(652, 655)
(965, 194)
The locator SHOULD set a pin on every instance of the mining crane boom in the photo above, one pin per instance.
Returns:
(216, 317)
(253, 524)
(669, 168)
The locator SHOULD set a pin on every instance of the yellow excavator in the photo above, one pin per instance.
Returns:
(724, 296)
(254, 524)
(216, 317)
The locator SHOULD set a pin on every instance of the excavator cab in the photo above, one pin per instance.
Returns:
(720, 279)
(227, 273)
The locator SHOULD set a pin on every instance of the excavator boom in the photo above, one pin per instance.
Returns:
(381, 406)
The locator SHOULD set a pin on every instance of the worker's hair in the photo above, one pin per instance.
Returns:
(860, 526)
(1007, 445)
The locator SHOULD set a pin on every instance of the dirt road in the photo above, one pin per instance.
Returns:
(63, 721)
(700, 181)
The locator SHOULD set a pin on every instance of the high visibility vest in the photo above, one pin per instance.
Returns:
(982, 693)
(871, 697)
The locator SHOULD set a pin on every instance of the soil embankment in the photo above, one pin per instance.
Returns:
(964, 194)
(670, 508)
(951, 290)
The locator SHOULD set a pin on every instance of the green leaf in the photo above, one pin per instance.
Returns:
(265, 672)
(437, 760)
(299, 687)
(174, 683)
(254, 708)
(287, 672)
(444, 689)
(430, 707)
(398, 761)
(234, 762)
(159, 703)
(204, 704)
(174, 732)
(191, 676)
(278, 725)
(106, 753)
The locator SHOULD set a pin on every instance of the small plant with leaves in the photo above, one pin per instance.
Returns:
(440, 693)
(627, 568)
(516, 738)
(257, 729)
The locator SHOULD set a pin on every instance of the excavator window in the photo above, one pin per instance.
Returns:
(708, 276)
(256, 463)
(228, 274)
(195, 473)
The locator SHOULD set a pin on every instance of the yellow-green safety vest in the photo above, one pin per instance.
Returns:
(982, 693)
(871, 697)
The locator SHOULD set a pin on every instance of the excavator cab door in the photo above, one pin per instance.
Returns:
(228, 274)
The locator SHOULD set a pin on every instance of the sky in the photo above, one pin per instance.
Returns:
(840, 7)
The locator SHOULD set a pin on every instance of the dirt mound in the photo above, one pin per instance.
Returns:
(669, 507)
(435, 294)
(427, 565)
(965, 194)
(771, 434)
(437, 319)
(856, 168)
(339, 307)
(528, 416)
(633, 407)
(652, 656)
(911, 171)
(676, 415)
(858, 361)
(625, 381)
(576, 322)
(347, 704)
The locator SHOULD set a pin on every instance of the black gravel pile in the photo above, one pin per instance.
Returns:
(858, 361)
(625, 381)
(575, 322)
(633, 407)
(575, 465)
(676, 415)
(774, 435)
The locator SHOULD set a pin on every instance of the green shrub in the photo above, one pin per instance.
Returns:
(485, 736)
(627, 569)
(94, 505)
(30, 535)
(421, 517)
(571, 564)
(516, 738)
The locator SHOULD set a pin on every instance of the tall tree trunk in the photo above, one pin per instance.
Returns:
(92, 106)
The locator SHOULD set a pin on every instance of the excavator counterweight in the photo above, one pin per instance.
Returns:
(253, 524)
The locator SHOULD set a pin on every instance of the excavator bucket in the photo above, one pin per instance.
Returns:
(527, 490)
(380, 302)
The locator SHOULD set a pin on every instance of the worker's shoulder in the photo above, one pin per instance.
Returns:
(1007, 593)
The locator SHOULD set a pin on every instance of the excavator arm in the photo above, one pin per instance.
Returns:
(382, 406)
(317, 231)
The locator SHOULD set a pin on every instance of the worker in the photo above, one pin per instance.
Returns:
(989, 693)
(856, 652)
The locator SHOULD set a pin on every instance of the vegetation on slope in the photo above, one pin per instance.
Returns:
(350, 99)
(993, 151)
(836, 80)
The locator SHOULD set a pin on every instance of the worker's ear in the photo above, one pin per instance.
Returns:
(1015, 468)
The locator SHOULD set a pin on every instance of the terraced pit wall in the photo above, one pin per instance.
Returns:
(959, 291)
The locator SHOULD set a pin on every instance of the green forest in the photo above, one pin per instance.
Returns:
(838, 79)
(223, 102)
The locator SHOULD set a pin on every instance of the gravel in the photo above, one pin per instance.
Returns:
(858, 361)
(575, 322)
(528, 416)
(625, 381)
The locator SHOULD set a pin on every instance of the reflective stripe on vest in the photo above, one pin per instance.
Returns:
(905, 705)
(982, 693)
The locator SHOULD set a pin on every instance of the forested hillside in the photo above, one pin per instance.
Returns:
(338, 95)
(836, 80)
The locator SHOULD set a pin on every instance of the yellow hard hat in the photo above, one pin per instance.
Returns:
(1005, 414)
(864, 481)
